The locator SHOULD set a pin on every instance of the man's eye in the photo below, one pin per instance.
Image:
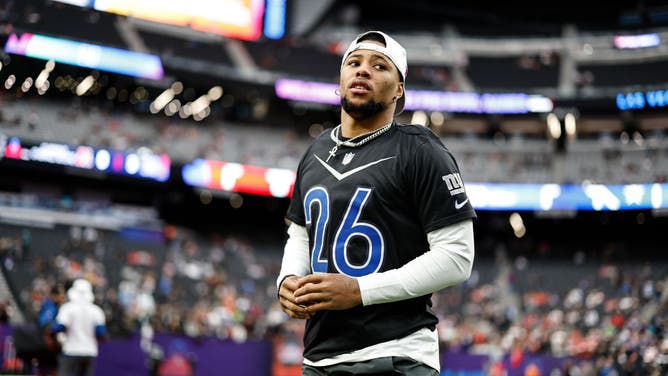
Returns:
(380, 66)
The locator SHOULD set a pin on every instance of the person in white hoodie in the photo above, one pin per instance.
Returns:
(83, 325)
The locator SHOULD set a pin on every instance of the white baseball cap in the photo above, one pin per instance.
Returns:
(392, 49)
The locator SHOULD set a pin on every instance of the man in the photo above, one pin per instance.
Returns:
(45, 320)
(49, 308)
(380, 220)
(83, 325)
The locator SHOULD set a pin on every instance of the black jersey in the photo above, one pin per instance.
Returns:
(368, 209)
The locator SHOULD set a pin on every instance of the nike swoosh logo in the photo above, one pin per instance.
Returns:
(459, 205)
(339, 176)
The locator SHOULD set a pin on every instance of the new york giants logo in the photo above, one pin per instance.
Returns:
(454, 183)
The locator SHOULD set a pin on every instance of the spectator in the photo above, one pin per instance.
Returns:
(45, 322)
(83, 323)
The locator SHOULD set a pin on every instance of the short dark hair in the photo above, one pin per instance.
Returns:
(372, 36)
(58, 288)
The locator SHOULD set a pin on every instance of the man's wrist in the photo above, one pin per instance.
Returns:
(278, 287)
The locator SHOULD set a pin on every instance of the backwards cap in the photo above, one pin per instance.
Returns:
(392, 49)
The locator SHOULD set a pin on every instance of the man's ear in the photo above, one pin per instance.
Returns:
(400, 90)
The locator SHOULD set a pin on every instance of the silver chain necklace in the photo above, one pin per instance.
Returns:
(351, 143)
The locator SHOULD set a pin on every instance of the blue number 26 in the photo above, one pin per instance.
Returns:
(349, 228)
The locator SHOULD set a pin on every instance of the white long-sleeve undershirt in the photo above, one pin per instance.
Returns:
(296, 260)
(449, 261)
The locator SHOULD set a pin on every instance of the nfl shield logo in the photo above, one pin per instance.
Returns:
(347, 158)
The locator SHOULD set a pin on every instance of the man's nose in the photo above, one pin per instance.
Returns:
(362, 71)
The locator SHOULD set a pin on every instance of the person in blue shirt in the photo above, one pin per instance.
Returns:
(45, 320)
(50, 304)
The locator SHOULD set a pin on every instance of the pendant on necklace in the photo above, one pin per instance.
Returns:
(332, 153)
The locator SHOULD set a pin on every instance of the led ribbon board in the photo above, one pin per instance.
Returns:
(429, 100)
(86, 55)
(241, 19)
(235, 177)
(545, 197)
(274, 19)
(141, 164)
(637, 100)
(273, 182)
(637, 41)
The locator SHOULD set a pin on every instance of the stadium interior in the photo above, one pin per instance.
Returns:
(154, 158)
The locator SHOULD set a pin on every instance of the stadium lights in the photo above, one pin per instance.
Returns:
(199, 105)
(84, 85)
(166, 97)
(42, 89)
(199, 109)
(161, 101)
(50, 65)
(199, 116)
(173, 107)
(553, 126)
(517, 223)
(419, 117)
(41, 78)
(570, 125)
(185, 111)
(27, 84)
(9, 82)
(236, 201)
(437, 118)
(41, 82)
(214, 93)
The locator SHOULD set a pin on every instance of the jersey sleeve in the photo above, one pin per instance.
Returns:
(449, 261)
(295, 211)
(437, 185)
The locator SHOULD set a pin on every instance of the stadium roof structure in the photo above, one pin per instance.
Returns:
(550, 49)
(494, 18)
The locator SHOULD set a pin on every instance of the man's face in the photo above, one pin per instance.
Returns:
(59, 297)
(369, 81)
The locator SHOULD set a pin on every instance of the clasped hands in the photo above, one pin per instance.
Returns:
(302, 297)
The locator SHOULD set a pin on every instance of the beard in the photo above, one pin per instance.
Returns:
(364, 110)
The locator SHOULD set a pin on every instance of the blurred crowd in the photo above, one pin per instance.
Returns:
(604, 317)
(605, 158)
(608, 318)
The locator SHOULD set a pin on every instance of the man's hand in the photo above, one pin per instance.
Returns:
(327, 291)
(286, 297)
